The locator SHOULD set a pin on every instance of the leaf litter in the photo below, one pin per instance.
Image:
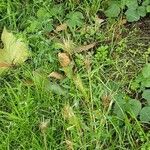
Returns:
(14, 52)
(56, 75)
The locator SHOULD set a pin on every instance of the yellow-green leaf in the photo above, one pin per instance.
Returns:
(14, 52)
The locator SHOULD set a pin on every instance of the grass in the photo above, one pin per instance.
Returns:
(37, 112)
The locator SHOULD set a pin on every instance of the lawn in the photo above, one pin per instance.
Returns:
(72, 78)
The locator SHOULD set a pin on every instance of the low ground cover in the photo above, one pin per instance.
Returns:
(71, 78)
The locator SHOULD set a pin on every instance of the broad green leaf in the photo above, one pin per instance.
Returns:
(34, 26)
(113, 10)
(136, 83)
(48, 27)
(146, 71)
(146, 2)
(123, 105)
(41, 81)
(132, 4)
(148, 8)
(57, 10)
(132, 15)
(146, 95)
(75, 19)
(139, 78)
(133, 107)
(145, 82)
(119, 110)
(122, 4)
(120, 104)
(15, 51)
(145, 114)
(42, 13)
(141, 11)
(55, 88)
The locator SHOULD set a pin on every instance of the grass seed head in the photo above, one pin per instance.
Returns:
(69, 145)
(43, 125)
(68, 112)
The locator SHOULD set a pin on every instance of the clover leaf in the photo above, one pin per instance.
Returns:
(75, 19)
(145, 114)
(146, 95)
(113, 10)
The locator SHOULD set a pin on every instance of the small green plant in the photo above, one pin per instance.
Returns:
(125, 105)
(44, 19)
(142, 84)
(102, 53)
(75, 19)
(132, 9)
(73, 88)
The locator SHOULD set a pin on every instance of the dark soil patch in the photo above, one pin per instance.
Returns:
(143, 28)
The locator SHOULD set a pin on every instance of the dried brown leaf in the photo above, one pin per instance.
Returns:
(106, 99)
(98, 20)
(85, 47)
(2, 64)
(56, 75)
(61, 27)
(122, 21)
(28, 82)
(64, 59)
